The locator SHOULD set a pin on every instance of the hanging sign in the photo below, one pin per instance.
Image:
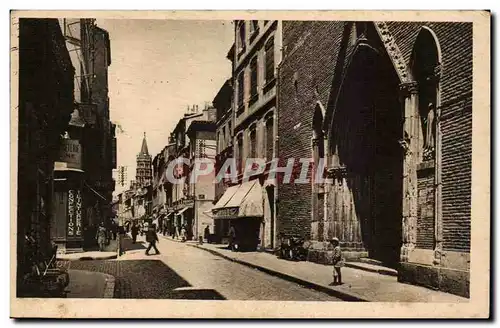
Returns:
(71, 153)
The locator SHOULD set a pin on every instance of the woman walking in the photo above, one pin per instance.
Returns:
(102, 236)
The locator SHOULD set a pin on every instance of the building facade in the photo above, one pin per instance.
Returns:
(225, 151)
(201, 187)
(387, 108)
(162, 189)
(256, 55)
(84, 183)
(45, 103)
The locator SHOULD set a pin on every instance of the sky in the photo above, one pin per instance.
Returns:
(158, 68)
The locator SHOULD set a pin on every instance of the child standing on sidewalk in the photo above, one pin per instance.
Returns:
(338, 261)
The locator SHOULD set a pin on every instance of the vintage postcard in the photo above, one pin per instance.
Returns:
(250, 164)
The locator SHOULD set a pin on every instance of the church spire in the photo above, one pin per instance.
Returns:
(144, 148)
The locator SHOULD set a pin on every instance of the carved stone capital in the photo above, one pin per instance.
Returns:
(408, 88)
(336, 172)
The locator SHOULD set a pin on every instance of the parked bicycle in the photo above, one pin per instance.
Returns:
(292, 248)
(42, 276)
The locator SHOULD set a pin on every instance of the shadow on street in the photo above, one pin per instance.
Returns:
(128, 245)
(140, 279)
(198, 294)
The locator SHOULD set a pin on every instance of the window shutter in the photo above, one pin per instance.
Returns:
(253, 85)
(269, 60)
(241, 87)
(253, 143)
(269, 138)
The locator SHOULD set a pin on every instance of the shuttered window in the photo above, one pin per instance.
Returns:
(253, 78)
(241, 35)
(253, 143)
(269, 73)
(269, 139)
(240, 152)
(241, 88)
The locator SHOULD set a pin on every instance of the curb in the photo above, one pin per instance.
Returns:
(109, 290)
(89, 258)
(354, 265)
(324, 289)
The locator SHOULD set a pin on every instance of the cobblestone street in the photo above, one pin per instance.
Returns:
(184, 272)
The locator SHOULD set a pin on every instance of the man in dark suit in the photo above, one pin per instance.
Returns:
(152, 238)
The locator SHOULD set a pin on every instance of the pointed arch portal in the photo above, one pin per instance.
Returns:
(366, 198)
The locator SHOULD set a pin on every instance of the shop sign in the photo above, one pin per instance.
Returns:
(71, 213)
(74, 213)
(78, 213)
(227, 212)
(71, 153)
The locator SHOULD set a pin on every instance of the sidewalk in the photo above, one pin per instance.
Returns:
(358, 285)
(88, 284)
(111, 252)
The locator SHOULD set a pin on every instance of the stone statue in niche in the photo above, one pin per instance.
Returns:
(429, 141)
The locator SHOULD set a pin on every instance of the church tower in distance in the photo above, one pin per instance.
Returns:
(143, 174)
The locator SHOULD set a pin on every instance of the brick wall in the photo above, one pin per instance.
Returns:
(312, 68)
(309, 49)
(456, 126)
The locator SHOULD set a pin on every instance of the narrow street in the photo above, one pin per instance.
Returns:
(185, 272)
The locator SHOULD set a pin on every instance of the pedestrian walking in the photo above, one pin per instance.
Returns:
(101, 237)
(232, 236)
(152, 239)
(134, 231)
(207, 233)
(338, 261)
(183, 233)
(114, 230)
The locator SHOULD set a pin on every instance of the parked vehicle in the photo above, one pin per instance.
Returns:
(292, 248)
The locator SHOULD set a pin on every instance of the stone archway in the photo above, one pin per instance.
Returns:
(367, 193)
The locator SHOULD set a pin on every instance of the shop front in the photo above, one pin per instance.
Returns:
(239, 212)
(184, 221)
(67, 226)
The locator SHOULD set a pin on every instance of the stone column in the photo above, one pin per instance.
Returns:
(409, 142)
(438, 214)
(314, 191)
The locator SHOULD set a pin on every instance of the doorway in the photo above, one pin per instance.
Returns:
(368, 125)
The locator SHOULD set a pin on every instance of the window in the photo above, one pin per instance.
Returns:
(229, 133)
(253, 143)
(269, 138)
(269, 73)
(253, 77)
(223, 137)
(239, 142)
(241, 88)
(254, 29)
(241, 36)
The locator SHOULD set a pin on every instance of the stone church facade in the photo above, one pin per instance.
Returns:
(387, 107)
